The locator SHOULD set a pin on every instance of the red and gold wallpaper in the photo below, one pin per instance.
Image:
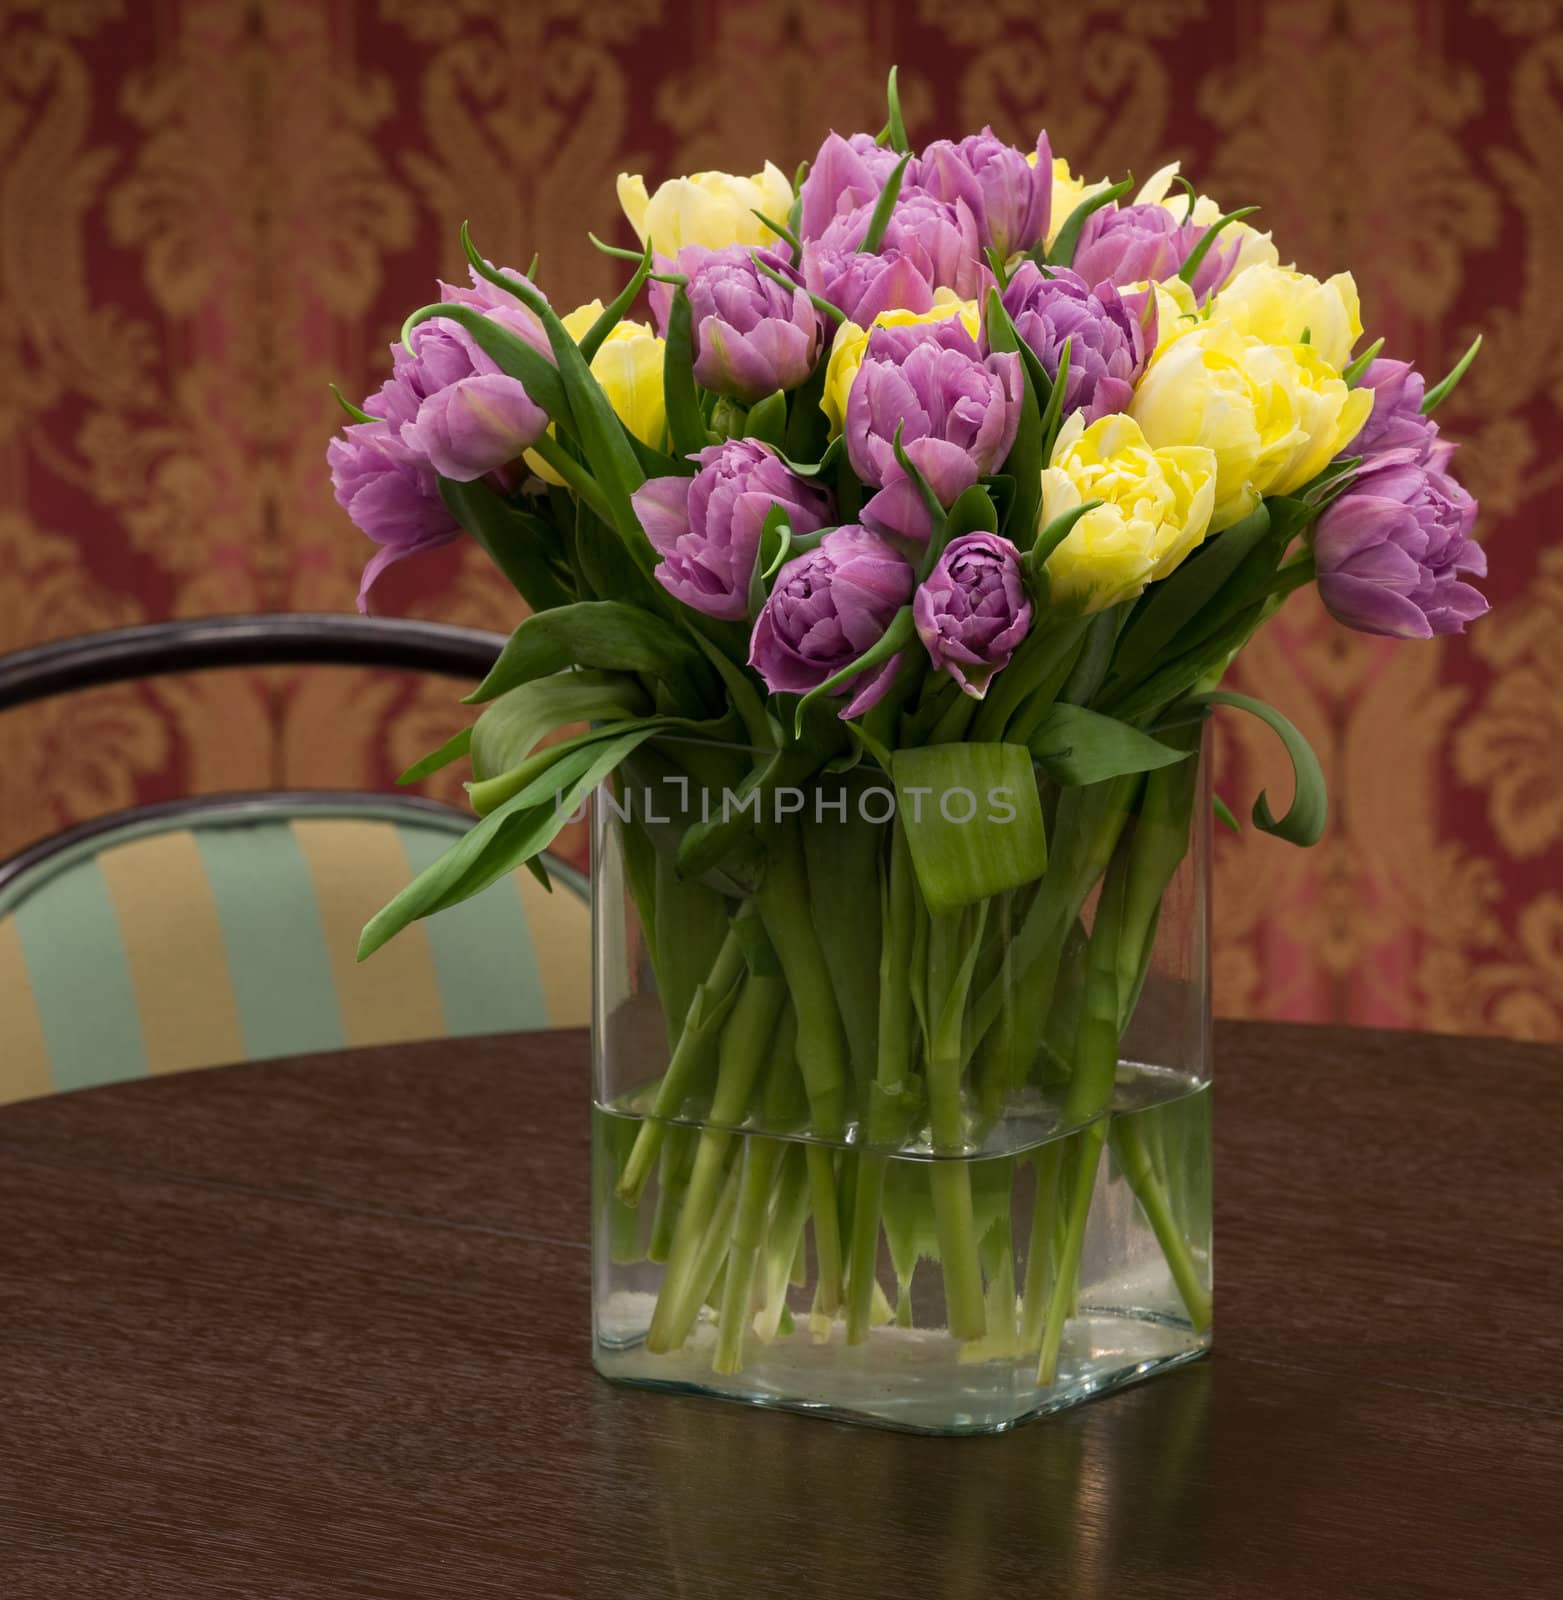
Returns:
(208, 208)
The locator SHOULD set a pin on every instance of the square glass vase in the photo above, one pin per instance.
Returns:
(937, 1170)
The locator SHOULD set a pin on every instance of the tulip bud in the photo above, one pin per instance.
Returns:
(971, 611)
(828, 607)
(707, 528)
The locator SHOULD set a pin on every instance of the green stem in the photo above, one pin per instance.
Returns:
(783, 901)
(1139, 1168)
(998, 1263)
(863, 1244)
(1085, 833)
(827, 1228)
(676, 1157)
(888, 1099)
(783, 1240)
(1090, 1093)
(953, 944)
(950, 1182)
(746, 1041)
(1039, 1246)
(743, 1256)
(1087, 1154)
(707, 1011)
(575, 476)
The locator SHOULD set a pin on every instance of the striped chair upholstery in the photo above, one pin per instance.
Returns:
(229, 933)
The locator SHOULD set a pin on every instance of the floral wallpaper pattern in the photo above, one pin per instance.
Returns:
(208, 208)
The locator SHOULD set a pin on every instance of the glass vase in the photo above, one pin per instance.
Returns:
(935, 1169)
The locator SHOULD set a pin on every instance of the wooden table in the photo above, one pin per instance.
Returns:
(318, 1328)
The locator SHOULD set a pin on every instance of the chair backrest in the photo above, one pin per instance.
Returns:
(224, 928)
(199, 933)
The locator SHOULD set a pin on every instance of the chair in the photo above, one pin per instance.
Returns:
(223, 928)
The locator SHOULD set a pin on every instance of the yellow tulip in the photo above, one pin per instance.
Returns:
(1068, 192)
(1176, 310)
(713, 209)
(1156, 506)
(1278, 305)
(1273, 415)
(846, 351)
(629, 369)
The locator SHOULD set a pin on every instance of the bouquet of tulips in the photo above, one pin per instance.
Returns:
(936, 495)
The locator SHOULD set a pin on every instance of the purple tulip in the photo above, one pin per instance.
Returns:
(956, 412)
(707, 528)
(828, 607)
(1137, 244)
(751, 335)
(1396, 421)
(1011, 199)
(1108, 343)
(446, 408)
(475, 426)
(938, 237)
(448, 401)
(860, 286)
(1393, 550)
(390, 495)
(971, 611)
(846, 174)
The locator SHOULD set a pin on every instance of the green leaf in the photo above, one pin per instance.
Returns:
(783, 231)
(522, 546)
(489, 794)
(711, 842)
(1171, 605)
(1025, 461)
(686, 421)
(973, 512)
(525, 825)
(896, 637)
(769, 553)
(1188, 189)
(1068, 237)
(591, 633)
(512, 727)
(894, 133)
(807, 427)
(842, 854)
(833, 312)
(1075, 746)
(357, 413)
(767, 420)
(1224, 814)
(879, 219)
(511, 354)
(1196, 256)
(613, 313)
(1205, 662)
(1041, 664)
(1054, 534)
(972, 819)
(1353, 373)
(1436, 396)
(595, 424)
(937, 517)
(453, 749)
(1095, 658)
(1053, 416)
(1303, 823)
(741, 692)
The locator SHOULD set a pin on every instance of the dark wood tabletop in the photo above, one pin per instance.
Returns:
(319, 1328)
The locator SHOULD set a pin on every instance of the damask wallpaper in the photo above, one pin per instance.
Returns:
(210, 207)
